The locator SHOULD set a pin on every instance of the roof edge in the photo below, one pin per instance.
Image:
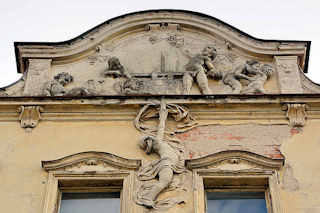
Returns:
(18, 43)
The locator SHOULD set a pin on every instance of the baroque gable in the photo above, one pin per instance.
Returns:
(162, 52)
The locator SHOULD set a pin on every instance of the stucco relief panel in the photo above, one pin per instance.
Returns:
(169, 60)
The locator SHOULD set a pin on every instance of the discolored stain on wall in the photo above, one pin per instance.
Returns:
(289, 182)
(260, 139)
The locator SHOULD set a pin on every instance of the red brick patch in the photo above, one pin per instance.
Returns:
(295, 131)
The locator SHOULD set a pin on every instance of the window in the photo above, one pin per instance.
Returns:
(90, 202)
(90, 195)
(234, 182)
(90, 182)
(235, 202)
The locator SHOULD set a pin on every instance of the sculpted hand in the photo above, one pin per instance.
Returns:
(215, 74)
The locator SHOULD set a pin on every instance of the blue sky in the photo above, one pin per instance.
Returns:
(59, 20)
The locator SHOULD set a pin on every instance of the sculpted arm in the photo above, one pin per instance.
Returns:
(239, 73)
(212, 72)
(209, 64)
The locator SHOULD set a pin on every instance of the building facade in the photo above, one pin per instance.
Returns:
(161, 111)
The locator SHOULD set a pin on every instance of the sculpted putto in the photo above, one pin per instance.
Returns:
(197, 70)
(57, 87)
(115, 69)
(170, 162)
(239, 71)
(258, 78)
(253, 72)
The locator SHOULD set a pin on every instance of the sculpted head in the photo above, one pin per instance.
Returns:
(63, 78)
(210, 51)
(254, 64)
(146, 143)
(114, 64)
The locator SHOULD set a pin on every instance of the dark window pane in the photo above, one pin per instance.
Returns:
(90, 202)
(248, 202)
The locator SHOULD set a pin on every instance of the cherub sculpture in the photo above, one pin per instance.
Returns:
(240, 71)
(57, 87)
(258, 78)
(115, 69)
(197, 70)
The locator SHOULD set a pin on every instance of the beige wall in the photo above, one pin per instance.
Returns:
(24, 181)
(300, 184)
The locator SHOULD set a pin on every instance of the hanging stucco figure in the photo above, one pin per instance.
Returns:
(171, 161)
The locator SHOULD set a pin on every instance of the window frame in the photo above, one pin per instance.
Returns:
(209, 172)
(83, 172)
(101, 190)
(238, 189)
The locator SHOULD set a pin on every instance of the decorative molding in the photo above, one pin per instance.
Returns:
(38, 69)
(132, 22)
(81, 179)
(263, 173)
(288, 74)
(100, 182)
(308, 86)
(296, 113)
(162, 26)
(234, 157)
(91, 159)
(29, 116)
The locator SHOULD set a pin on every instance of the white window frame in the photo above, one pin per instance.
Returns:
(87, 172)
(208, 172)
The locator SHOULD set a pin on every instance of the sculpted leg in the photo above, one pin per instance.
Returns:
(165, 178)
(233, 83)
(202, 81)
(187, 83)
(254, 87)
(148, 193)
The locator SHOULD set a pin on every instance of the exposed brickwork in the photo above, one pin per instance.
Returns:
(260, 139)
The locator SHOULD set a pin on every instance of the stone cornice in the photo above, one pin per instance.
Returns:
(234, 157)
(91, 158)
(207, 108)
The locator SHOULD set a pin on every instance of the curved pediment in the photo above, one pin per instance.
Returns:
(91, 161)
(163, 52)
(133, 22)
(235, 160)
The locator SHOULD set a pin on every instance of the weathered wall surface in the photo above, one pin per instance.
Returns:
(24, 181)
(300, 176)
(260, 139)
